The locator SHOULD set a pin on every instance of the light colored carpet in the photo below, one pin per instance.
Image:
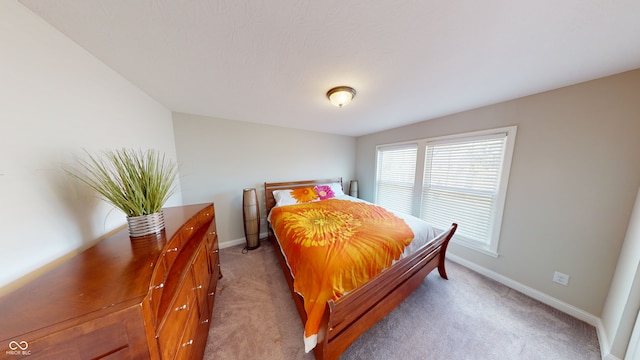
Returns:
(466, 317)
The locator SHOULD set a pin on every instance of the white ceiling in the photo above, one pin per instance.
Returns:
(272, 61)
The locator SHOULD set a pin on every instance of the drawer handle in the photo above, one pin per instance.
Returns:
(159, 286)
(212, 233)
(183, 307)
(190, 228)
(216, 250)
(212, 293)
(171, 250)
(187, 343)
(205, 321)
(197, 287)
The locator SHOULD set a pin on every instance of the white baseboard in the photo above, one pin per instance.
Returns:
(580, 314)
(227, 244)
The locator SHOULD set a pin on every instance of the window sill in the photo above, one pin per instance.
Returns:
(481, 248)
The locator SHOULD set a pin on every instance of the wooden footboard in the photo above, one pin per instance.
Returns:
(353, 314)
(350, 316)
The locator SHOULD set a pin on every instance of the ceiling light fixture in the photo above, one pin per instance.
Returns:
(341, 95)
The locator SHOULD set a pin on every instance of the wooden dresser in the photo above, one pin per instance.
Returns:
(144, 298)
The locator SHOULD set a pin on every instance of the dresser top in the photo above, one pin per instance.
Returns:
(114, 273)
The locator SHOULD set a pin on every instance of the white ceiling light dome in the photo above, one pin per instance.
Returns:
(341, 95)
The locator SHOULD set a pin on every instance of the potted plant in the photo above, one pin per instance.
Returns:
(137, 182)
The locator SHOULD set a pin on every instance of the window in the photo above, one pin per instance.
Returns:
(460, 178)
(396, 176)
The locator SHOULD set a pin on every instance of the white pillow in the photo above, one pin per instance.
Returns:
(285, 196)
(337, 189)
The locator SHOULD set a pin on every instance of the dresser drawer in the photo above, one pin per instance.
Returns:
(180, 240)
(212, 244)
(94, 339)
(172, 250)
(201, 268)
(212, 236)
(201, 275)
(81, 343)
(206, 215)
(176, 319)
(213, 283)
(189, 228)
(214, 261)
(186, 345)
(156, 288)
(214, 258)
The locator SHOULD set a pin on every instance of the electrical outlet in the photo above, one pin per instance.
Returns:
(560, 278)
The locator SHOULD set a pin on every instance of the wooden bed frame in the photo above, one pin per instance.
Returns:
(350, 316)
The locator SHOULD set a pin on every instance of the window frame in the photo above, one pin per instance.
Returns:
(491, 247)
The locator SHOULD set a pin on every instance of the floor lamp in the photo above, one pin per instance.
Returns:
(251, 217)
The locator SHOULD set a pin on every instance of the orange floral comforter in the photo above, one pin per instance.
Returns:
(333, 246)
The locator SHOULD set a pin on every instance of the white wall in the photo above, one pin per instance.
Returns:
(574, 178)
(55, 100)
(218, 158)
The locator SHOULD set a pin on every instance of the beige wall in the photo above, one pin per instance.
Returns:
(218, 158)
(55, 100)
(574, 177)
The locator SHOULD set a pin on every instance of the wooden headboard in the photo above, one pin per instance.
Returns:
(270, 201)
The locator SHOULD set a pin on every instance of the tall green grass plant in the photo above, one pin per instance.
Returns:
(134, 181)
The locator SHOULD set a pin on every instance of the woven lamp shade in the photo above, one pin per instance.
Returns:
(251, 217)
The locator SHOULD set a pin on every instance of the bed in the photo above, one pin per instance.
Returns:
(337, 321)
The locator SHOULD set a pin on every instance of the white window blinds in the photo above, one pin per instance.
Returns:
(461, 178)
(461, 183)
(396, 172)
